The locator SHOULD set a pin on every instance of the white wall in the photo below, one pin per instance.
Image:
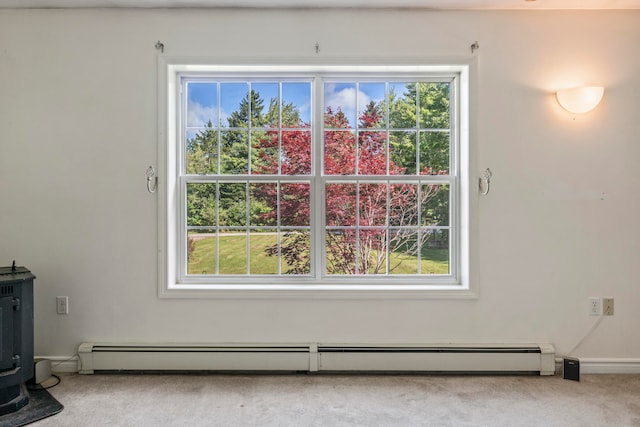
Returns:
(78, 128)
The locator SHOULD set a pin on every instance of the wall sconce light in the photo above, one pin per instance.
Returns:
(580, 100)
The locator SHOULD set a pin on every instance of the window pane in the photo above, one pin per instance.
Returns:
(232, 253)
(341, 252)
(340, 105)
(371, 101)
(202, 104)
(402, 149)
(263, 207)
(295, 152)
(403, 251)
(296, 104)
(264, 251)
(435, 205)
(429, 247)
(294, 204)
(435, 252)
(234, 152)
(339, 153)
(233, 205)
(434, 105)
(265, 107)
(295, 252)
(264, 152)
(201, 205)
(402, 106)
(202, 152)
(234, 103)
(403, 205)
(372, 153)
(201, 252)
(341, 204)
(372, 251)
(434, 153)
(373, 204)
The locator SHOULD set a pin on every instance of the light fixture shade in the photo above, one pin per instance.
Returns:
(580, 100)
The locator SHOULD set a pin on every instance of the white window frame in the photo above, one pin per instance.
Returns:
(172, 284)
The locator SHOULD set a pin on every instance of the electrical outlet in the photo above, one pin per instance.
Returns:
(595, 306)
(62, 305)
(607, 306)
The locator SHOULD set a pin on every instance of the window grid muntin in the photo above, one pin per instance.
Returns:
(318, 152)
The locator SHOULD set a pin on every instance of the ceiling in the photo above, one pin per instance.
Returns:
(425, 4)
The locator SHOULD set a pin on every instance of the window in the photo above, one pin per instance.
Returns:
(247, 177)
(297, 178)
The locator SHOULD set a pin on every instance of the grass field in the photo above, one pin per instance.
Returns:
(233, 257)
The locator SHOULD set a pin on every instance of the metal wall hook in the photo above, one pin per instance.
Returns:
(484, 182)
(152, 180)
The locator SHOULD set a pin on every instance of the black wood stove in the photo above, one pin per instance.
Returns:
(16, 337)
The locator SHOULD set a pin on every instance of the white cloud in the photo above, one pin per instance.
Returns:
(305, 112)
(346, 100)
(198, 115)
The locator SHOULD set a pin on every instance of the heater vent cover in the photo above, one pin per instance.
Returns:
(437, 358)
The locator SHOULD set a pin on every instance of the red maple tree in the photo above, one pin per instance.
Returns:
(363, 217)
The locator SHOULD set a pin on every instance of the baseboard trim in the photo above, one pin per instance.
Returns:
(62, 364)
(590, 365)
(609, 366)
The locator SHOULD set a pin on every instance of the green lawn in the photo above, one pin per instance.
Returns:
(233, 254)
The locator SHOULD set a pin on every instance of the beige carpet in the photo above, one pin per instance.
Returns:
(336, 400)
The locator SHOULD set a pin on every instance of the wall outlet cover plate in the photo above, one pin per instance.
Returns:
(42, 370)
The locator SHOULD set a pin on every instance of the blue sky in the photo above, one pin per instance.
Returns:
(202, 98)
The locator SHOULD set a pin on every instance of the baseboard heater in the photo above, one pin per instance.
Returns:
(438, 358)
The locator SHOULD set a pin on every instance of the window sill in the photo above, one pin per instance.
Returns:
(249, 291)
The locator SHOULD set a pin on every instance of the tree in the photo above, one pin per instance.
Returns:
(425, 106)
(364, 250)
(286, 152)
(202, 151)
(231, 145)
(202, 158)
